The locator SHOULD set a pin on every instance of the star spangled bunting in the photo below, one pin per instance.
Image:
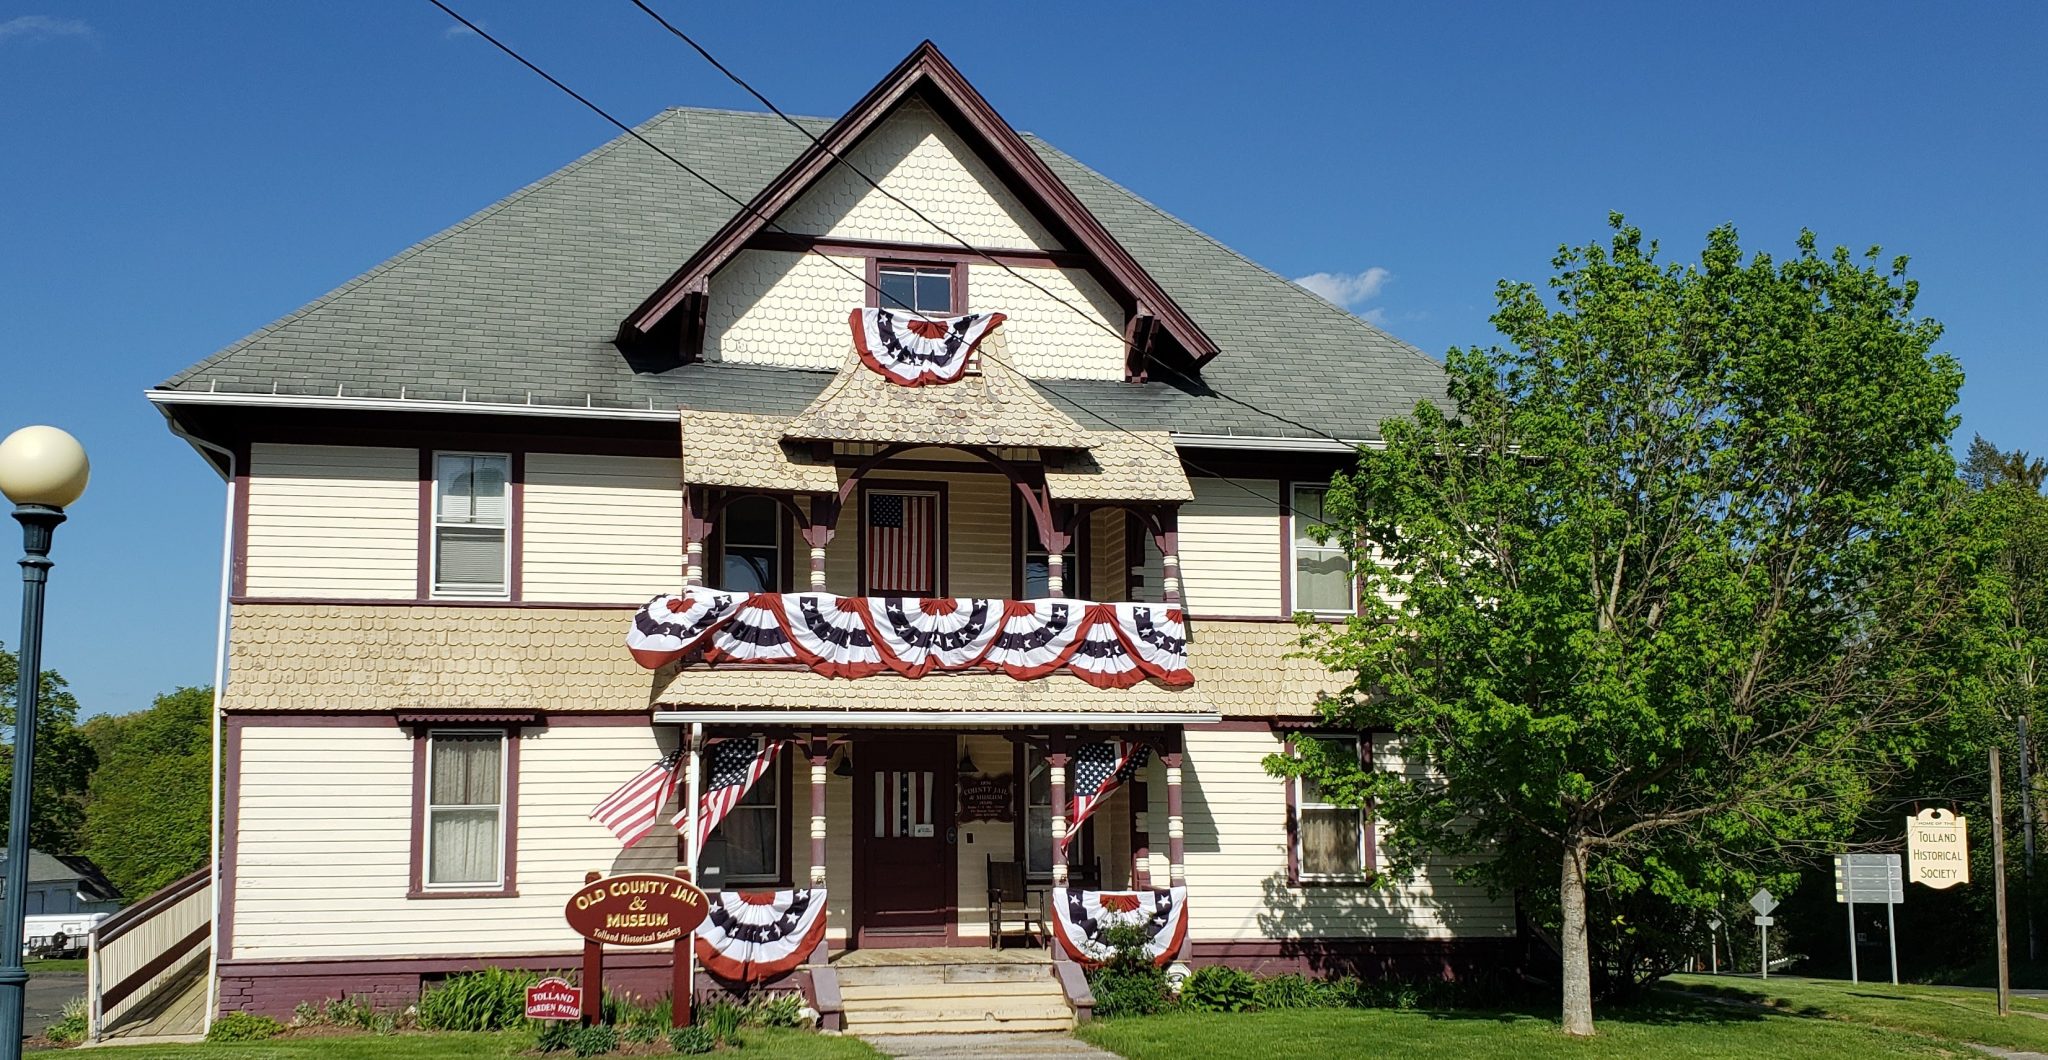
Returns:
(631, 811)
(735, 765)
(1100, 769)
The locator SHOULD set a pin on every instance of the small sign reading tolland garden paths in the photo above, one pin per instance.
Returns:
(553, 999)
(637, 909)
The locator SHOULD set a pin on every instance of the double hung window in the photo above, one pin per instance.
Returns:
(472, 519)
(1330, 840)
(465, 811)
(1322, 576)
(747, 844)
(922, 289)
(751, 537)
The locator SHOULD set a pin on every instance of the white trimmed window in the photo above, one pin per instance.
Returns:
(1329, 840)
(1322, 578)
(747, 844)
(918, 288)
(472, 517)
(465, 826)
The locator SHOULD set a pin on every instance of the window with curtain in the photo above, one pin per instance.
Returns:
(919, 288)
(465, 826)
(472, 512)
(1038, 568)
(747, 845)
(1329, 839)
(1323, 582)
(1037, 814)
(751, 540)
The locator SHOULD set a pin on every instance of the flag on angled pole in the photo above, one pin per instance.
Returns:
(1100, 769)
(631, 811)
(735, 765)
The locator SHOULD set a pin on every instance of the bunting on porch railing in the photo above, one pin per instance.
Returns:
(752, 936)
(1106, 645)
(909, 350)
(1082, 919)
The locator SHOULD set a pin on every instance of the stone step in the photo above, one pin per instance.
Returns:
(874, 1030)
(1044, 987)
(944, 973)
(958, 1018)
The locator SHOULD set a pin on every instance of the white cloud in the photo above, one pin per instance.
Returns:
(1346, 289)
(42, 27)
(457, 30)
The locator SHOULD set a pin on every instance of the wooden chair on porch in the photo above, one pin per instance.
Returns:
(1012, 909)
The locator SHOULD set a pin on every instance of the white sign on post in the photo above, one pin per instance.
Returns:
(1938, 846)
(1763, 902)
(1870, 878)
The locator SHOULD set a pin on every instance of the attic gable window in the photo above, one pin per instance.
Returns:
(927, 289)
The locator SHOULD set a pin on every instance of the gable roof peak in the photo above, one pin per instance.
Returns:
(676, 306)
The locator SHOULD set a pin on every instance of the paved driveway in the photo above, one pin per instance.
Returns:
(47, 993)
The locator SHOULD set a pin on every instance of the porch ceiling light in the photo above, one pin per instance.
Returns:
(43, 466)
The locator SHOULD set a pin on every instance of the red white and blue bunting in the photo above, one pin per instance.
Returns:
(753, 936)
(1082, 920)
(1106, 645)
(909, 350)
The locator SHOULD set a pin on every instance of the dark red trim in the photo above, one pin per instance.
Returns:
(178, 951)
(515, 528)
(928, 73)
(428, 601)
(1286, 495)
(945, 778)
(1022, 258)
(1368, 850)
(316, 719)
(238, 570)
(1289, 784)
(423, 578)
(942, 534)
(163, 897)
(230, 831)
(509, 852)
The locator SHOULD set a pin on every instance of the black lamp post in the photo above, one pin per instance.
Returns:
(42, 470)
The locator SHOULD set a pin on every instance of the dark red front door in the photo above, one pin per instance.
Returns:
(903, 834)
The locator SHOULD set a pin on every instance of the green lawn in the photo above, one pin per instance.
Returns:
(1946, 1012)
(58, 964)
(795, 1045)
(1683, 1028)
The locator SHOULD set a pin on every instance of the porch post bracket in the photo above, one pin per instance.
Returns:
(861, 469)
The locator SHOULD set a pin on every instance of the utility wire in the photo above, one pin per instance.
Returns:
(770, 222)
(1121, 338)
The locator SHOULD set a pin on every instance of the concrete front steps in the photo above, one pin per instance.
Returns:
(950, 992)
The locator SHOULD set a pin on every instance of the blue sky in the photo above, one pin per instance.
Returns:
(178, 175)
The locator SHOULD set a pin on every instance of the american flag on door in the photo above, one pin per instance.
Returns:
(901, 534)
(735, 765)
(1100, 769)
(903, 805)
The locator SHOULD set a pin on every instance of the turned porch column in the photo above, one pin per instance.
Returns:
(821, 757)
(818, 534)
(695, 529)
(1056, 762)
(1141, 837)
(1167, 537)
(1176, 833)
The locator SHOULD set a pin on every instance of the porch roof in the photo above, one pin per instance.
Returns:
(709, 693)
(1134, 466)
(745, 451)
(996, 408)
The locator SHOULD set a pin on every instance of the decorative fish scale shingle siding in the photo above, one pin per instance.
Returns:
(324, 841)
(783, 308)
(330, 520)
(924, 163)
(1236, 828)
(1071, 329)
(602, 529)
(525, 298)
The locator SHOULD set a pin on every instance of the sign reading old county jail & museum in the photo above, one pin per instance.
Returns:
(637, 909)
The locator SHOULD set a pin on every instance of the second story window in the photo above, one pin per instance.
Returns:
(1322, 577)
(751, 540)
(472, 513)
(924, 289)
(1038, 568)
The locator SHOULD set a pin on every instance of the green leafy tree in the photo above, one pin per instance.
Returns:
(147, 818)
(1659, 598)
(64, 760)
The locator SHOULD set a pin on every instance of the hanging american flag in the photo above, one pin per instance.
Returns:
(631, 811)
(900, 536)
(1100, 769)
(903, 805)
(735, 765)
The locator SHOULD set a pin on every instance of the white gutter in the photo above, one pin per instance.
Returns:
(366, 404)
(922, 717)
(220, 680)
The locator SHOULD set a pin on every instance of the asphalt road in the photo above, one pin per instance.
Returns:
(47, 993)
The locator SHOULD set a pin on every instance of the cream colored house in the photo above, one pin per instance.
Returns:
(457, 481)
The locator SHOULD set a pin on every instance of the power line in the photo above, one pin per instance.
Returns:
(862, 278)
(1121, 338)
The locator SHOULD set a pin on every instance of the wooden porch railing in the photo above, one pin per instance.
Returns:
(142, 948)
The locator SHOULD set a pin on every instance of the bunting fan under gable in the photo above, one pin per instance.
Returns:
(1082, 920)
(752, 936)
(1106, 645)
(909, 350)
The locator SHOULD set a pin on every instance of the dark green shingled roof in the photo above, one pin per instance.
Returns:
(520, 303)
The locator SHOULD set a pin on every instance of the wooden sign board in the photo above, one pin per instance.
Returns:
(987, 798)
(1938, 849)
(637, 909)
(553, 999)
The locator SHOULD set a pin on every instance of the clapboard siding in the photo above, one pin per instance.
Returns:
(1230, 547)
(333, 521)
(324, 841)
(1236, 828)
(979, 550)
(602, 529)
(1106, 557)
